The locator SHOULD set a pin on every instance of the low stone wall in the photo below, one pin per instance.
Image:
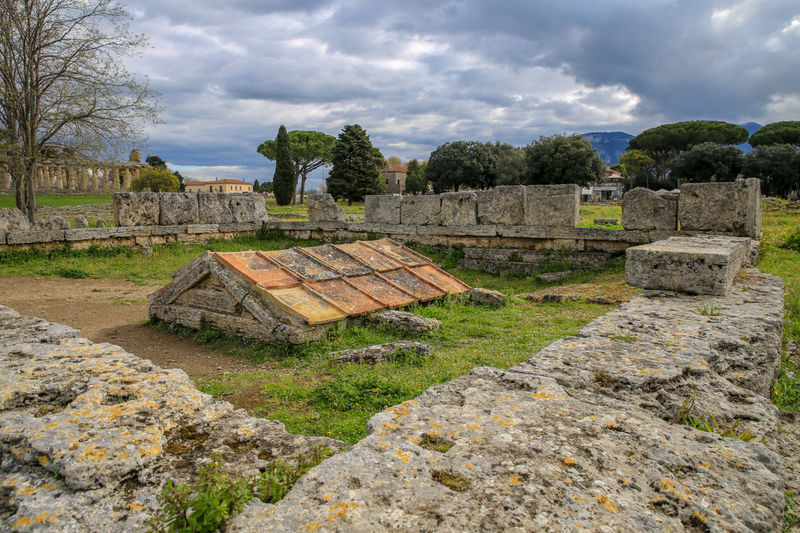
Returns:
(176, 208)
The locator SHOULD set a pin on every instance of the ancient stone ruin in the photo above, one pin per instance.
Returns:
(296, 295)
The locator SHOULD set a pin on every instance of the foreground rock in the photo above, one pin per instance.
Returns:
(405, 321)
(486, 297)
(89, 433)
(382, 352)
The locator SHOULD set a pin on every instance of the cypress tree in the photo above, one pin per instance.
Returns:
(283, 179)
(356, 165)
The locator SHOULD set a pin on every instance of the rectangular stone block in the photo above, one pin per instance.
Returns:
(459, 231)
(239, 227)
(136, 209)
(643, 209)
(31, 237)
(178, 208)
(391, 229)
(247, 208)
(382, 209)
(725, 207)
(421, 210)
(702, 264)
(459, 208)
(168, 230)
(87, 234)
(553, 205)
(202, 228)
(504, 205)
(132, 231)
(214, 209)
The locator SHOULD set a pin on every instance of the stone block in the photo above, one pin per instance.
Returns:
(702, 264)
(643, 209)
(13, 220)
(390, 229)
(421, 210)
(136, 209)
(247, 208)
(323, 208)
(87, 234)
(32, 237)
(503, 205)
(382, 209)
(724, 207)
(553, 205)
(52, 223)
(239, 227)
(178, 208)
(459, 208)
(202, 228)
(214, 209)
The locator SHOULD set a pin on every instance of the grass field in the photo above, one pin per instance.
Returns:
(7, 201)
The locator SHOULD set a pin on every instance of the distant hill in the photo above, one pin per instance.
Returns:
(609, 144)
(751, 127)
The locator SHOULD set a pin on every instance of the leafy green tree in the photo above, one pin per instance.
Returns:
(155, 161)
(356, 166)
(458, 163)
(156, 179)
(639, 167)
(707, 162)
(256, 186)
(786, 132)
(267, 187)
(511, 165)
(562, 159)
(394, 161)
(667, 141)
(778, 167)
(415, 178)
(310, 150)
(285, 178)
(182, 186)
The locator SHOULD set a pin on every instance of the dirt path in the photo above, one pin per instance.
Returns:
(112, 311)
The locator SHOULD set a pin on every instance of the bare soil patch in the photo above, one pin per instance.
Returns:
(113, 311)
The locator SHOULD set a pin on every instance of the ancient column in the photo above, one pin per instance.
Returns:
(126, 179)
(134, 173)
(114, 178)
(5, 180)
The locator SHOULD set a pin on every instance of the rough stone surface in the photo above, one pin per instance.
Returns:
(643, 209)
(247, 208)
(606, 221)
(553, 205)
(382, 209)
(81, 221)
(421, 210)
(90, 433)
(214, 208)
(486, 297)
(381, 352)
(405, 321)
(323, 208)
(136, 209)
(577, 438)
(552, 277)
(696, 265)
(727, 207)
(13, 220)
(178, 208)
(100, 223)
(502, 205)
(459, 208)
(52, 224)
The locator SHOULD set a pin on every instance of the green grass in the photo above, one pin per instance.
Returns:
(7, 201)
(591, 211)
(300, 211)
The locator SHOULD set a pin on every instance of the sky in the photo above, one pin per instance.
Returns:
(416, 74)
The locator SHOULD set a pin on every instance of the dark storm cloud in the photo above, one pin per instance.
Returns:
(416, 75)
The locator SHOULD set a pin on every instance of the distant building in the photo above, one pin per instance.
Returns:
(395, 177)
(610, 189)
(224, 186)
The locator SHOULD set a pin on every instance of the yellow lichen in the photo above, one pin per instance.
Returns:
(569, 461)
(405, 456)
(606, 502)
(515, 480)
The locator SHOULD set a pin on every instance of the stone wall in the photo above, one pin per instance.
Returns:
(176, 208)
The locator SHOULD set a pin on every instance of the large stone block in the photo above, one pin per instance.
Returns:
(702, 264)
(502, 205)
(643, 209)
(725, 207)
(178, 208)
(421, 210)
(13, 220)
(214, 209)
(136, 209)
(553, 205)
(247, 208)
(323, 208)
(382, 209)
(459, 208)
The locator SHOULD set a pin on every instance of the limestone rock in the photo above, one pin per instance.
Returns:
(12, 220)
(405, 321)
(606, 221)
(100, 223)
(323, 208)
(727, 207)
(459, 208)
(178, 208)
(81, 221)
(136, 209)
(643, 209)
(381, 352)
(214, 208)
(553, 205)
(504, 204)
(552, 277)
(382, 209)
(421, 210)
(52, 224)
(247, 208)
(486, 297)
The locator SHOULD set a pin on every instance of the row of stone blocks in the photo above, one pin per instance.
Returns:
(720, 207)
(509, 205)
(176, 208)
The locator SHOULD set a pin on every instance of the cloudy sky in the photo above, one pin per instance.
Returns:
(416, 74)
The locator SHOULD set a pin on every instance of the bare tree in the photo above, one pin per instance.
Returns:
(63, 84)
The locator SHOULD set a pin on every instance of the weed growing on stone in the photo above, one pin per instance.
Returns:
(683, 413)
(708, 308)
(450, 480)
(791, 513)
(721, 427)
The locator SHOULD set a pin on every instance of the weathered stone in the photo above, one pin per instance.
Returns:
(136, 209)
(643, 209)
(553, 205)
(421, 210)
(404, 321)
(696, 265)
(33, 237)
(81, 222)
(202, 228)
(323, 208)
(87, 234)
(178, 208)
(52, 224)
(381, 352)
(382, 209)
(12, 220)
(552, 277)
(247, 208)
(502, 205)
(214, 208)
(459, 208)
(725, 207)
(100, 223)
(486, 297)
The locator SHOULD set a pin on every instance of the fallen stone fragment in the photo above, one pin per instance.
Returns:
(323, 208)
(606, 221)
(486, 297)
(405, 321)
(552, 277)
(12, 220)
(52, 223)
(545, 297)
(381, 352)
(81, 221)
(100, 223)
